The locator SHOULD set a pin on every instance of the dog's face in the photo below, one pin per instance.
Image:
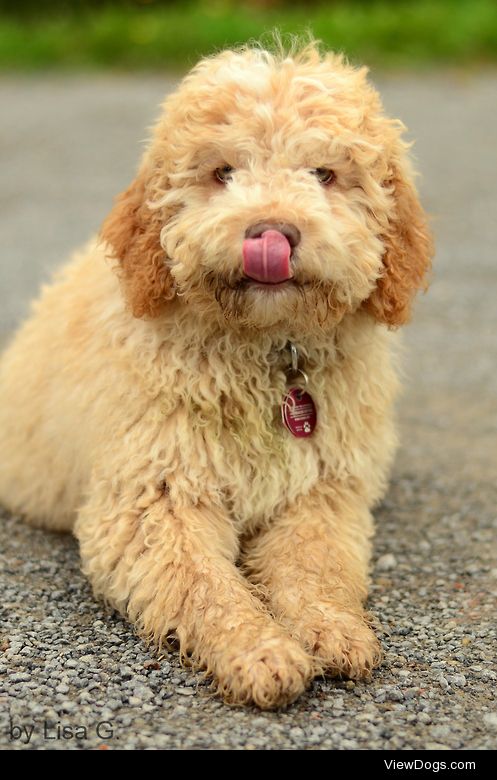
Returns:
(275, 194)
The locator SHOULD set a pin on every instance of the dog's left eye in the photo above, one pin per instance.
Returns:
(324, 175)
(224, 174)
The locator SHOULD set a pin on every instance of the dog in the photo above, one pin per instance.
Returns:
(204, 394)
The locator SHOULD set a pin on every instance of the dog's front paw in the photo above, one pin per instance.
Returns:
(341, 641)
(272, 672)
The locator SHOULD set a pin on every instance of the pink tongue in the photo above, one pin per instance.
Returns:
(267, 259)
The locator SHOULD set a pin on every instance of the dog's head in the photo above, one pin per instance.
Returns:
(274, 193)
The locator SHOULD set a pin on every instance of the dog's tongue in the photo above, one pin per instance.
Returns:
(267, 259)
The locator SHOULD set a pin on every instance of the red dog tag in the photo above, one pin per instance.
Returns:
(298, 412)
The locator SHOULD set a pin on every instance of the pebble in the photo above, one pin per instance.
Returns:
(19, 677)
(457, 679)
(386, 562)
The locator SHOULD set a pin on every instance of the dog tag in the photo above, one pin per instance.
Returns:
(298, 412)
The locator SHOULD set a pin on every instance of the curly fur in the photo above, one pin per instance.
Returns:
(139, 404)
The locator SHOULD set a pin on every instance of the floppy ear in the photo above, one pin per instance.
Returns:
(407, 257)
(132, 230)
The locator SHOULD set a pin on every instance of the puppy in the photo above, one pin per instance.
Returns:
(204, 394)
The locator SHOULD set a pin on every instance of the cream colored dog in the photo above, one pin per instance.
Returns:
(219, 480)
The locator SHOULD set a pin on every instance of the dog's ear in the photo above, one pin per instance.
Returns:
(408, 252)
(132, 230)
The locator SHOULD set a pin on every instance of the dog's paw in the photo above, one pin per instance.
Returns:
(341, 642)
(271, 673)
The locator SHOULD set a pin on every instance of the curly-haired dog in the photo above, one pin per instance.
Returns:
(219, 480)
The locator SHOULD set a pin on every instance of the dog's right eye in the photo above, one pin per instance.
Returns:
(224, 174)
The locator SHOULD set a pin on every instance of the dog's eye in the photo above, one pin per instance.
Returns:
(324, 175)
(224, 174)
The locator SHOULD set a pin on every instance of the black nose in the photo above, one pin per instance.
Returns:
(291, 232)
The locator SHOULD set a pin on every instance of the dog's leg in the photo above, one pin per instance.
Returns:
(171, 570)
(314, 563)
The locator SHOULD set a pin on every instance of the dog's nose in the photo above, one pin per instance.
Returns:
(291, 232)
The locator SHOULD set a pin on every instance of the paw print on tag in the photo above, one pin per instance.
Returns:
(307, 427)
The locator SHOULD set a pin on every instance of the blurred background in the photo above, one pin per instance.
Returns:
(157, 34)
(80, 83)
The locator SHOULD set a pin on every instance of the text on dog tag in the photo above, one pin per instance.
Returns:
(298, 412)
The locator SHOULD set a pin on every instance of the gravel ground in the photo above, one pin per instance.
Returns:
(67, 661)
(69, 144)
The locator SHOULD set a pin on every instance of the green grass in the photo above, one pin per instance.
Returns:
(383, 33)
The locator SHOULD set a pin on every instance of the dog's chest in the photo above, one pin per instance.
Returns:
(266, 467)
(257, 464)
